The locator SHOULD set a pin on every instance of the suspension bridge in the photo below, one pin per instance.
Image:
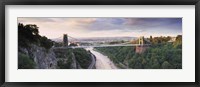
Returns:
(140, 47)
(76, 43)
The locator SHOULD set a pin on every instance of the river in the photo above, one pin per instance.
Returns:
(102, 61)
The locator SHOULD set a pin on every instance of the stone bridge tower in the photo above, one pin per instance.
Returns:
(141, 47)
(65, 40)
(141, 40)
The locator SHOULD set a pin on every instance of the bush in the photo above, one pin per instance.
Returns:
(83, 57)
(25, 62)
(45, 42)
(166, 65)
(65, 58)
(62, 65)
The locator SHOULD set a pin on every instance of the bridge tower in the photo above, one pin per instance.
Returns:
(141, 40)
(65, 40)
(142, 47)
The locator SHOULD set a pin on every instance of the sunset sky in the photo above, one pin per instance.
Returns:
(105, 27)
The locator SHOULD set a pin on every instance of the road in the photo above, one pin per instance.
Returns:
(102, 61)
(93, 62)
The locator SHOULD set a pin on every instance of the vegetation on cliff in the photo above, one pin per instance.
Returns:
(28, 36)
(25, 62)
(65, 58)
(160, 55)
(83, 57)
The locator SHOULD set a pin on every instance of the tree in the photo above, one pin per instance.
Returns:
(178, 42)
(29, 34)
(45, 42)
(168, 38)
(157, 56)
(25, 62)
(166, 65)
(178, 39)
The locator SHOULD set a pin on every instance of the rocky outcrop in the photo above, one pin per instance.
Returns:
(44, 58)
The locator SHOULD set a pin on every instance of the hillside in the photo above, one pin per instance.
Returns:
(37, 52)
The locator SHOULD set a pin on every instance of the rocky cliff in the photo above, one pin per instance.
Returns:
(44, 58)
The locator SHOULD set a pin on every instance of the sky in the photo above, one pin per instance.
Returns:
(105, 27)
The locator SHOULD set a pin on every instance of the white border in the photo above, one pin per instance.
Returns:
(187, 74)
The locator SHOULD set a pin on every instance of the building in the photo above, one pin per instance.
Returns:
(173, 39)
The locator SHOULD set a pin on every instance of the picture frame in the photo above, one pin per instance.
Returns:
(99, 2)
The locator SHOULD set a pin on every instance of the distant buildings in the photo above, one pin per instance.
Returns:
(172, 39)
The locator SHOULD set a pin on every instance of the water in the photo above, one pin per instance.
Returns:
(102, 61)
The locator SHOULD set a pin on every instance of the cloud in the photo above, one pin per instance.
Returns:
(52, 27)
(153, 22)
(34, 19)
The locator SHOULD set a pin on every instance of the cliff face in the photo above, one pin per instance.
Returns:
(44, 59)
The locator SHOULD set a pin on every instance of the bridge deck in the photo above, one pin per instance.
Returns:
(101, 46)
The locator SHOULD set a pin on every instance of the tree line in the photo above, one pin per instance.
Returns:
(161, 54)
(29, 34)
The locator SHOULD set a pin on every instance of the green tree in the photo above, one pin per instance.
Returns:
(25, 62)
(178, 42)
(83, 57)
(166, 65)
(45, 42)
(29, 34)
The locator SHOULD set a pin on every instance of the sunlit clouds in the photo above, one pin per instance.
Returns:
(105, 27)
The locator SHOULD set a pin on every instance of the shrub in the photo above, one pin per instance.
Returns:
(83, 57)
(25, 62)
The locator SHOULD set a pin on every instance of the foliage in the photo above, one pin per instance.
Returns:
(158, 40)
(29, 34)
(178, 42)
(64, 65)
(45, 42)
(83, 57)
(166, 65)
(58, 44)
(63, 53)
(25, 62)
(64, 57)
(117, 54)
(162, 55)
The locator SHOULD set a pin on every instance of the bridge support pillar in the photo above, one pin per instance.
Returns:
(65, 40)
(141, 48)
(141, 40)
